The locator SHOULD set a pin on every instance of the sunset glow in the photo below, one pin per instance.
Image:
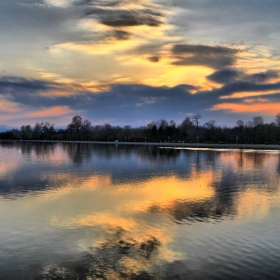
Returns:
(56, 55)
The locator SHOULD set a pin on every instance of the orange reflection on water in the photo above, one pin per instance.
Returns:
(164, 191)
(108, 221)
(122, 211)
(252, 204)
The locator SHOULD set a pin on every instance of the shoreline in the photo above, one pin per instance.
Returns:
(160, 144)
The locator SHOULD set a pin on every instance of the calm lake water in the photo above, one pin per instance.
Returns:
(78, 211)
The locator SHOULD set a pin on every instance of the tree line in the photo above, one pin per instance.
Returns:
(191, 130)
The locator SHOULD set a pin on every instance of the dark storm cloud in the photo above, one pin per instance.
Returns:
(211, 56)
(227, 75)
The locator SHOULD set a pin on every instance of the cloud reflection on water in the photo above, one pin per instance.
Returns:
(131, 202)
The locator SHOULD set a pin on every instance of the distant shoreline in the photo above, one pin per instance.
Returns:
(161, 144)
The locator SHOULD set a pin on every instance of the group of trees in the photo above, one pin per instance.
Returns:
(190, 130)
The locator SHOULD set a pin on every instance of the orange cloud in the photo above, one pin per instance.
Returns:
(53, 111)
(7, 106)
(262, 108)
(254, 100)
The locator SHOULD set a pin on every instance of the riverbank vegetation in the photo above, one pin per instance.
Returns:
(191, 130)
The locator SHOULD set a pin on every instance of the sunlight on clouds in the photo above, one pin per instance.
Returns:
(139, 4)
(101, 48)
(140, 35)
(254, 100)
(53, 111)
(263, 108)
(94, 87)
(48, 75)
(247, 94)
(173, 76)
(133, 42)
(8, 106)
(58, 3)
(256, 58)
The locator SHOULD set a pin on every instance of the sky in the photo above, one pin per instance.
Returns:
(129, 62)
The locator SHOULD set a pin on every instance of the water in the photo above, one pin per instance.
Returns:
(70, 211)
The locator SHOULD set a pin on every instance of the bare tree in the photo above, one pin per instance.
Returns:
(240, 123)
(196, 118)
(277, 119)
(210, 124)
(258, 120)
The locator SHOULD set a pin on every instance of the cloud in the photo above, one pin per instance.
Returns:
(263, 77)
(123, 13)
(227, 75)
(14, 84)
(256, 107)
(8, 107)
(57, 3)
(100, 3)
(154, 58)
(136, 101)
(52, 111)
(130, 18)
(121, 35)
(132, 104)
(242, 86)
(210, 56)
(202, 50)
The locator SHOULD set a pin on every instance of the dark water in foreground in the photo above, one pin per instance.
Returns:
(70, 211)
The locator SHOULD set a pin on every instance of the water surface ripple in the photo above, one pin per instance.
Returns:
(81, 211)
